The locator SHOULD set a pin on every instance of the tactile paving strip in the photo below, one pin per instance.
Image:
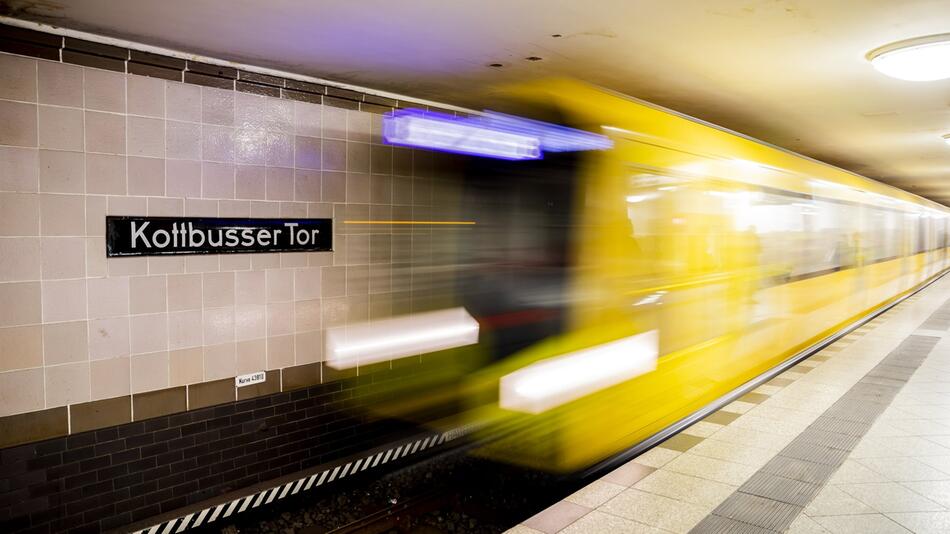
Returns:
(774, 496)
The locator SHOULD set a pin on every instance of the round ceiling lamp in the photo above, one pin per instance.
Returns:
(922, 59)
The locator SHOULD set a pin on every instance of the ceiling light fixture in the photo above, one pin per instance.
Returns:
(946, 139)
(922, 59)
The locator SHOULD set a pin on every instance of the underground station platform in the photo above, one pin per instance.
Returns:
(427, 267)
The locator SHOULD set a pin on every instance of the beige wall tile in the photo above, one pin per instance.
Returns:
(183, 140)
(307, 152)
(264, 209)
(279, 115)
(218, 144)
(218, 289)
(184, 329)
(65, 342)
(358, 187)
(249, 181)
(108, 297)
(21, 303)
(307, 185)
(280, 352)
(63, 257)
(357, 309)
(308, 119)
(20, 259)
(217, 180)
(250, 321)
(334, 122)
(104, 90)
(110, 378)
(308, 347)
(307, 283)
(105, 133)
(166, 265)
(108, 338)
(67, 384)
(333, 281)
(280, 183)
(218, 324)
(146, 176)
(293, 259)
(96, 257)
(334, 311)
(61, 215)
(182, 178)
(235, 262)
(357, 157)
(19, 214)
(359, 125)
(60, 84)
(334, 157)
(182, 101)
(19, 169)
(381, 159)
(105, 174)
(234, 208)
(279, 151)
(147, 294)
(248, 111)
(251, 356)
(60, 128)
(149, 333)
(64, 300)
(219, 361)
(280, 318)
(21, 347)
(22, 391)
(307, 315)
(357, 249)
(280, 284)
(126, 266)
(146, 136)
(19, 124)
(217, 106)
(357, 280)
(166, 207)
(186, 366)
(146, 96)
(333, 186)
(293, 209)
(184, 292)
(61, 172)
(17, 78)
(202, 263)
(96, 215)
(201, 208)
(119, 205)
(149, 371)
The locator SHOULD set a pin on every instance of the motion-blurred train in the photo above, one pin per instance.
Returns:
(610, 276)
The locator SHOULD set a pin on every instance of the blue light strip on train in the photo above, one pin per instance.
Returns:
(493, 135)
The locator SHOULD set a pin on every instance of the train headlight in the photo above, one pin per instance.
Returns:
(555, 381)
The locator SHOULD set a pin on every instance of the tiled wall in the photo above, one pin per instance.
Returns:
(78, 143)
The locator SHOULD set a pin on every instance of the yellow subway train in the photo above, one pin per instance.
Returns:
(620, 290)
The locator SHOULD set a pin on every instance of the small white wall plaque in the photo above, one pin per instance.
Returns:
(253, 378)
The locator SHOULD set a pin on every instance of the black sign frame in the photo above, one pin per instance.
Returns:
(125, 233)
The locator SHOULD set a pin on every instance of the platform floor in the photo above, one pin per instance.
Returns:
(856, 439)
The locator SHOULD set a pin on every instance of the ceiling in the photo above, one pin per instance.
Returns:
(791, 72)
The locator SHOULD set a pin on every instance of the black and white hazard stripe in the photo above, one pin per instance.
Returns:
(327, 476)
